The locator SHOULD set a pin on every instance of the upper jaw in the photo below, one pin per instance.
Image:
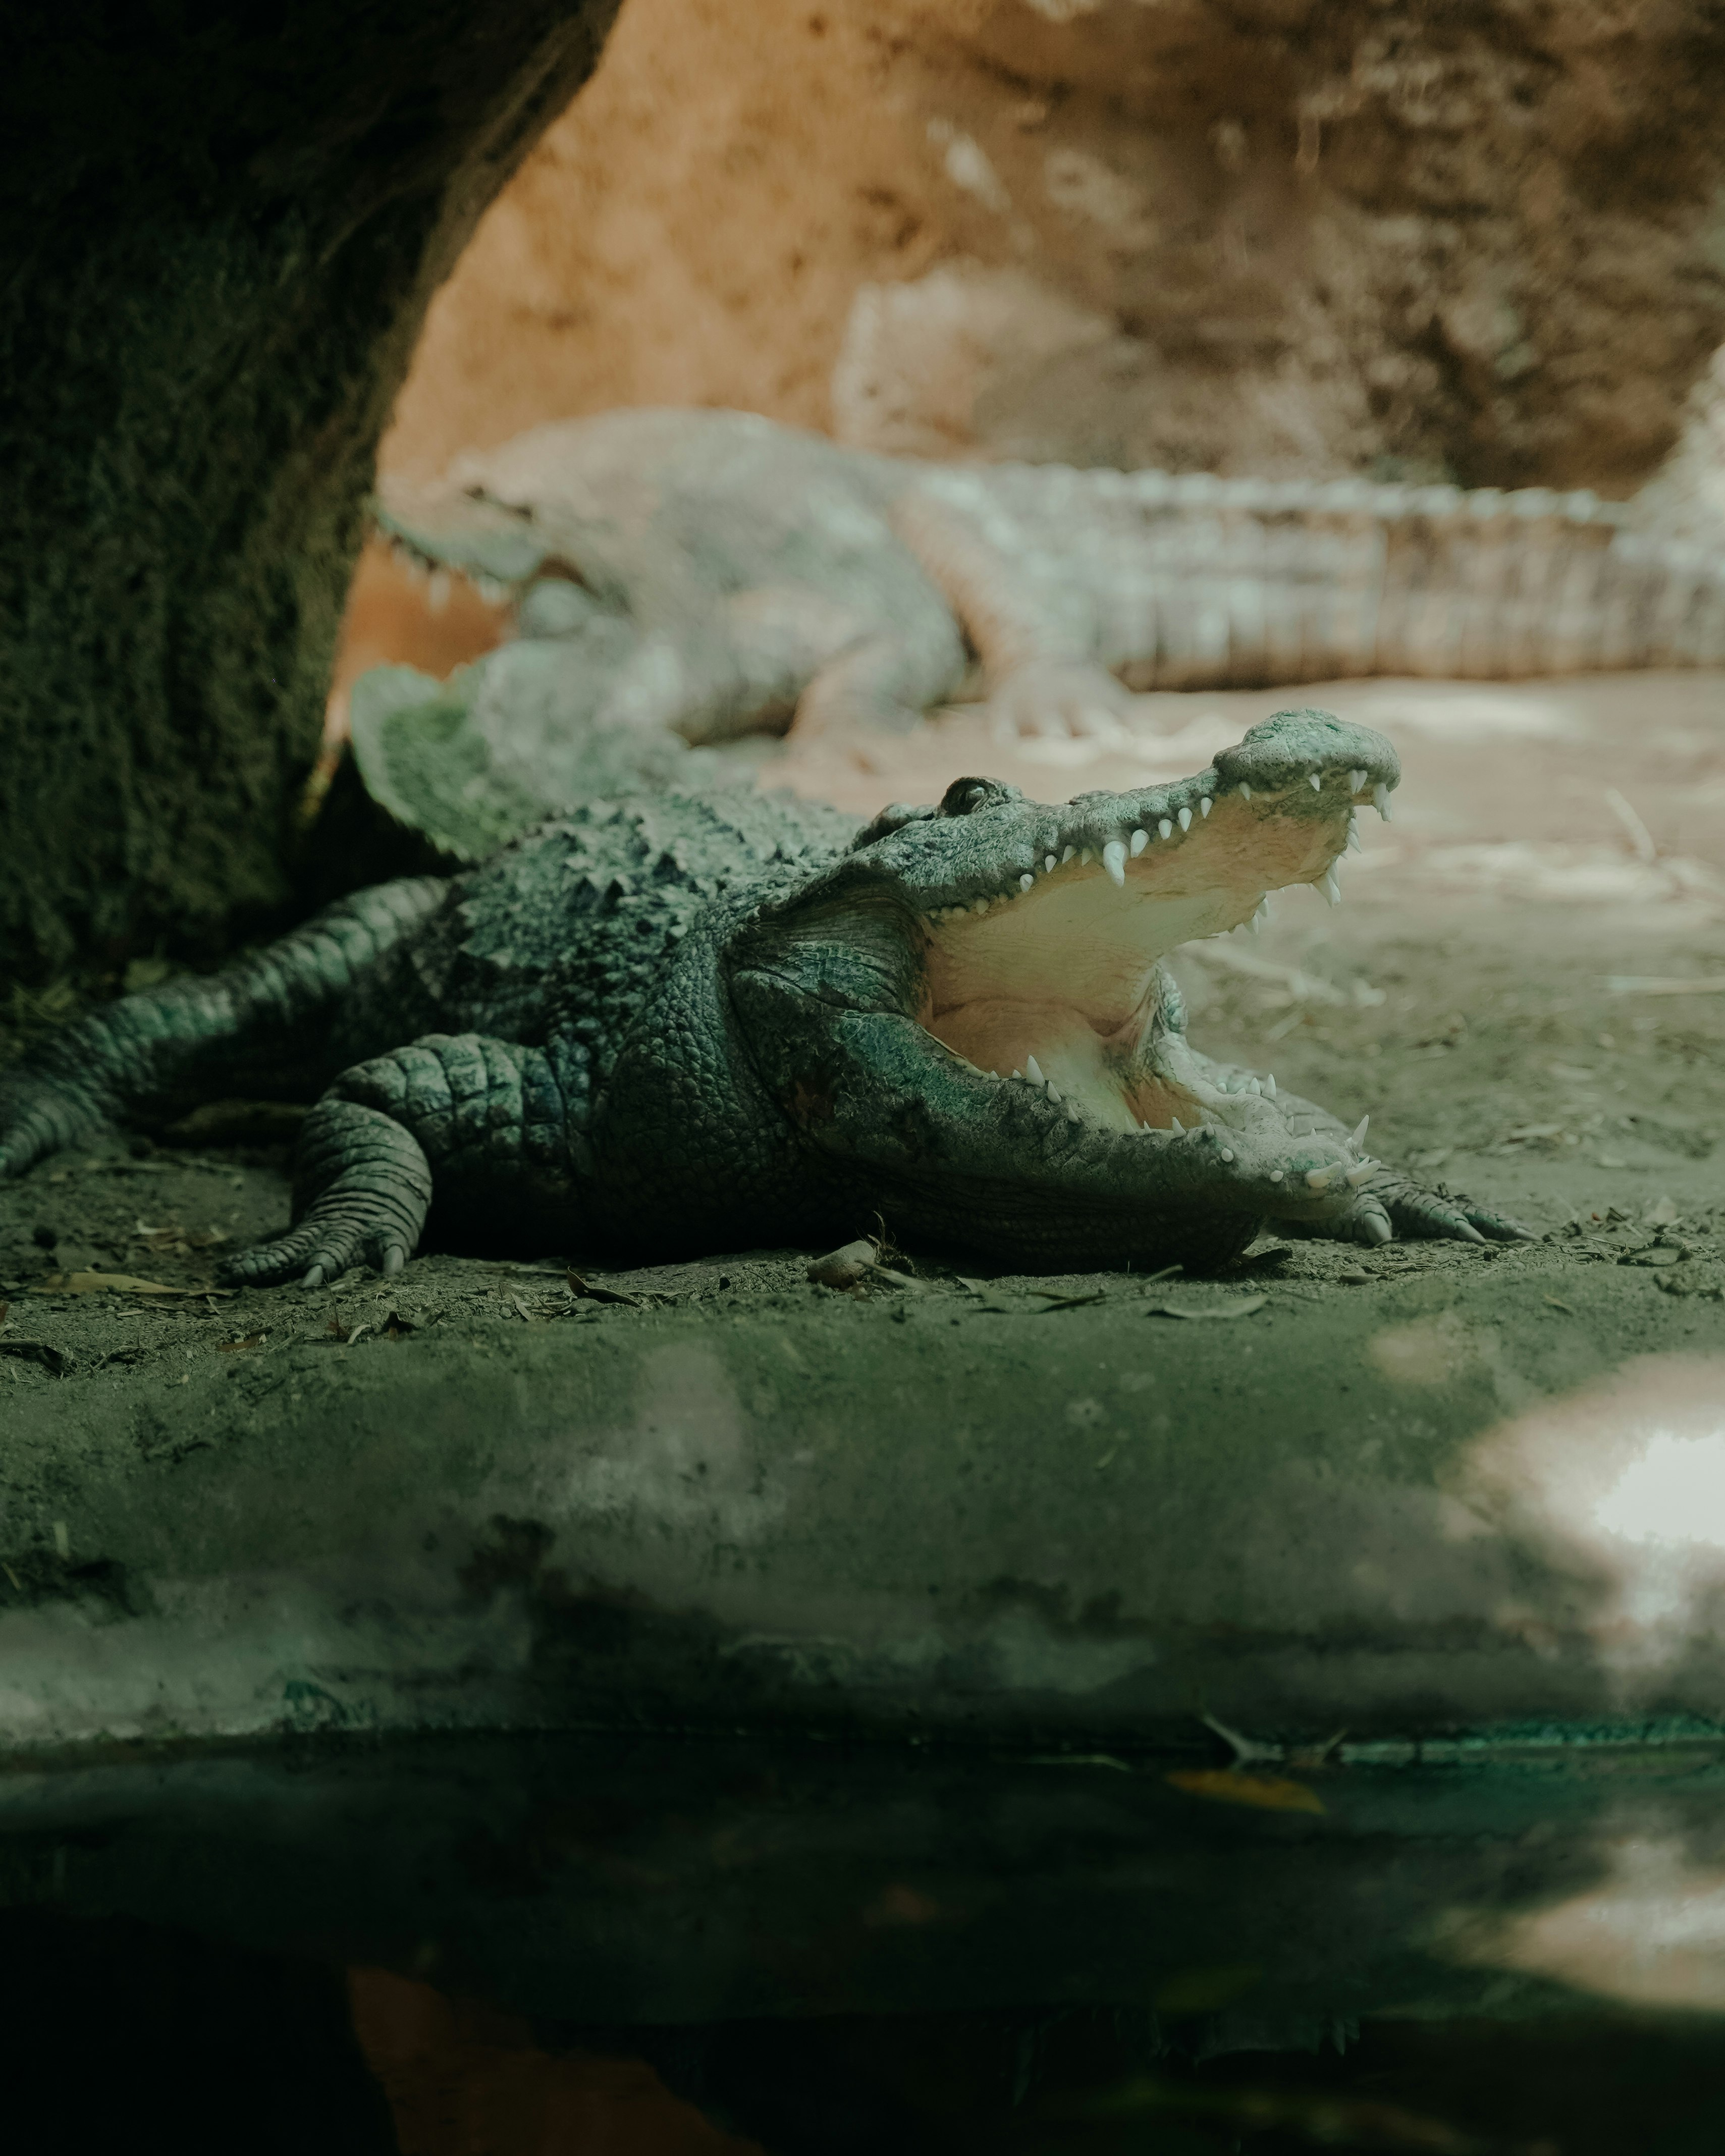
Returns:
(1269, 812)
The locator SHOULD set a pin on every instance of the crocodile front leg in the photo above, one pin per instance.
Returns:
(1368, 1202)
(1039, 672)
(484, 1125)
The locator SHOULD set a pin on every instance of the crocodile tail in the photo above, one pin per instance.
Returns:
(261, 1027)
(1190, 581)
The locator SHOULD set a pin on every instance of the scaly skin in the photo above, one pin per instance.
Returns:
(696, 1023)
(711, 572)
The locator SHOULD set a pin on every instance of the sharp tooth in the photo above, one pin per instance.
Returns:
(1269, 1085)
(1245, 790)
(1083, 859)
(1317, 1178)
(1176, 1127)
(1358, 1131)
(1185, 819)
(1332, 889)
(1253, 1086)
(1140, 840)
(1032, 1071)
(981, 905)
(1052, 1095)
(1026, 882)
(1017, 1073)
(1164, 829)
(1048, 863)
(1263, 912)
(995, 1074)
(1353, 837)
(1072, 1114)
(1380, 799)
(1205, 806)
(1316, 783)
(1067, 855)
(1114, 860)
(1356, 779)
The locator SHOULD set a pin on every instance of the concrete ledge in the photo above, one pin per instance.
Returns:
(1445, 1513)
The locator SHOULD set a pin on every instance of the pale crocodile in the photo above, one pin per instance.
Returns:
(715, 573)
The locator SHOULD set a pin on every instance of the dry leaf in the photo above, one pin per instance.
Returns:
(1225, 1785)
(115, 1284)
(234, 1346)
(1242, 1307)
(595, 1293)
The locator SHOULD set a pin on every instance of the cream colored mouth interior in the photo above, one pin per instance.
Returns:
(1058, 980)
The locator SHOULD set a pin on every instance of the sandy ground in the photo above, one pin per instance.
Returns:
(1507, 990)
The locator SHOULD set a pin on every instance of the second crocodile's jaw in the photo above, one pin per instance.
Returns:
(1058, 984)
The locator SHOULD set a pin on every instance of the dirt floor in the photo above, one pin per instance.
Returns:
(1524, 987)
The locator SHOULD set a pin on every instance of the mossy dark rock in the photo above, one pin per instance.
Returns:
(222, 228)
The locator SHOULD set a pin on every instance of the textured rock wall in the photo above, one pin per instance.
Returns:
(220, 227)
(1481, 241)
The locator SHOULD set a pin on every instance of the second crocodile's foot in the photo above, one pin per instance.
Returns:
(1057, 701)
(1018, 1078)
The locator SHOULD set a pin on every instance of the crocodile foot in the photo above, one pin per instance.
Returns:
(362, 1190)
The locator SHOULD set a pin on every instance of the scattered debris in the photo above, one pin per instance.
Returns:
(1300, 987)
(117, 1284)
(1241, 1306)
(594, 1292)
(38, 1351)
(849, 1263)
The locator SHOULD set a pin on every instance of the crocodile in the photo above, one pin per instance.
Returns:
(715, 573)
(685, 1020)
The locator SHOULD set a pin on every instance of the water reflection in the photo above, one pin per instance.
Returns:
(1097, 2081)
(662, 1949)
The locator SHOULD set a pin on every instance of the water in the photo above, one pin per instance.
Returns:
(513, 1947)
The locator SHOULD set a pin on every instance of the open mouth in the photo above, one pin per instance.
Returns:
(1046, 976)
(970, 1022)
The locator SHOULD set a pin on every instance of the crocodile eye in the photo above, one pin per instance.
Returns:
(965, 796)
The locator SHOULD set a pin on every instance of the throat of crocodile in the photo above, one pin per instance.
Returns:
(1059, 982)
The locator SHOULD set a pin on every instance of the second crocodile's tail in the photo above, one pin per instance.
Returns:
(1194, 582)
